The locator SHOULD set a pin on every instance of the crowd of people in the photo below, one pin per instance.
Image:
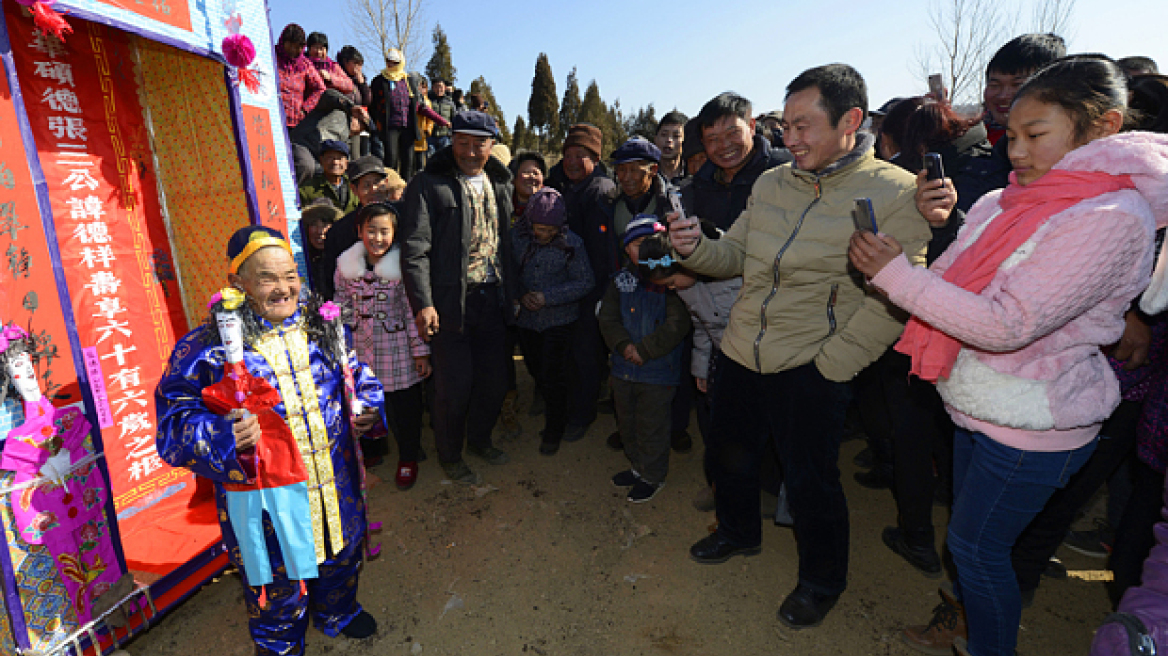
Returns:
(979, 296)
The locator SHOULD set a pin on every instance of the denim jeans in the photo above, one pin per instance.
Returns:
(997, 491)
(802, 414)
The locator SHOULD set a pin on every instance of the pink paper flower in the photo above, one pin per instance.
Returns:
(3, 344)
(214, 300)
(238, 50)
(14, 332)
(330, 311)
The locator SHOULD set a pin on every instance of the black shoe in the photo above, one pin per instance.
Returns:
(922, 557)
(549, 448)
(713, 549)
(643, 491)
(360, 627)
(804, 608)
(681, 442)
(614, 442)
(877, 478)
(492, 455)
(1055, 569)
(575, 433)
(627, 478)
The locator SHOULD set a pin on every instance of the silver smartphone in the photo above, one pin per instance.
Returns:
(864, 216)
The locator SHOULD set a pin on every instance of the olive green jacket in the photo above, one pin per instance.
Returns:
(801, 300)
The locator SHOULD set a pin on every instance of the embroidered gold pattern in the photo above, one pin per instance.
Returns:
(286, 350)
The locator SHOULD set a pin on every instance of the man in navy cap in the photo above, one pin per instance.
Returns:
(461, 281)
(284, 344)
(331, 182)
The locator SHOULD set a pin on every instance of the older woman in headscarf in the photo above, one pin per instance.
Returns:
(394, 110)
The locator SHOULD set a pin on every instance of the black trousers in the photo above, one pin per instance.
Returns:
(405, 408)
(802, 413)
(470, 375)
(683, 400)
(1134, 537)
(399, 150)
(547, 355)
(1041, 539)
(588, 355)
(922, 441)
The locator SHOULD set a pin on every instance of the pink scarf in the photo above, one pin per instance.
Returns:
(1024, 210)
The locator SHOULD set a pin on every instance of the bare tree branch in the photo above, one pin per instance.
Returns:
(969, 32)
(383, 24)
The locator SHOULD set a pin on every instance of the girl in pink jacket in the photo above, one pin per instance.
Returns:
(1009, 322)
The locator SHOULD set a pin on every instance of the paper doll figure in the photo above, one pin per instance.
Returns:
(60, 493)
(277, 481)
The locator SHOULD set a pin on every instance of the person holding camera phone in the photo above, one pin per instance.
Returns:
(803, 326)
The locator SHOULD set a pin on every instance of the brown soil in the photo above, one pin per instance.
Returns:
(548, 559)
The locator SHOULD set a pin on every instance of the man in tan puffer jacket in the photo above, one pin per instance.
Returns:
(803, 326)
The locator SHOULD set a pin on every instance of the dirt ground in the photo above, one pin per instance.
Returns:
(548, 558)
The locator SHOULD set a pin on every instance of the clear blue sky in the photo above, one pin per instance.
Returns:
(683, 52)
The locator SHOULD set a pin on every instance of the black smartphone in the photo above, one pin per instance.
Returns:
(864, 217)
(934, 170)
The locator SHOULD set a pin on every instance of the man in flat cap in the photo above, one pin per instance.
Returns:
(293, 347)
(461, 281)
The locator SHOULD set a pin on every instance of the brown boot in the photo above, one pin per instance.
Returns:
(936, 637)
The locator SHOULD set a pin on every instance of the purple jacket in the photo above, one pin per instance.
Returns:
(1148, 603)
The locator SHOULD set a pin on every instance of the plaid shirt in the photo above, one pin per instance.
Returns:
(482, 256)
(384, 333)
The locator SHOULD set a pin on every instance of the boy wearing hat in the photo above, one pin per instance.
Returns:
(315, 221)
(644, 324)
(554, 275)
(331, 182)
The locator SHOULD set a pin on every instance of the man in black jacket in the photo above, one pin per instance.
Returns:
(736, 156)
(584, 183)
(460, 278)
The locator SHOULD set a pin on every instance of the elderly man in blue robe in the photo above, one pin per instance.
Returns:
(286, 342)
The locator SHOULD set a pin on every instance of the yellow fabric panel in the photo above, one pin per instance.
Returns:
(201, 181)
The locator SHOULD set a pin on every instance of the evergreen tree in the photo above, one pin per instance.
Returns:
(541, 108)
(521, 137)
(481, 87)
(643, 124)
(441, 66)
(615, 133)
(569, 112)
(592, 107)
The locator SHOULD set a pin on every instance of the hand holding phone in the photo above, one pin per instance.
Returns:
(864, 217)
(934, 169)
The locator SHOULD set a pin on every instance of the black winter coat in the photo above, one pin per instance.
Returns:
(585, 201)
(435, 225)
(721, 204)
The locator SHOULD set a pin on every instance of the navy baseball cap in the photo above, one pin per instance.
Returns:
(636, 149)
(479, 124)
(330, 144)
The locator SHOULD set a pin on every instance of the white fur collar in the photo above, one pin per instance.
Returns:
(351, 263)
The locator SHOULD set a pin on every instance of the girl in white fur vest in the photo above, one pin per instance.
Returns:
(369, 287)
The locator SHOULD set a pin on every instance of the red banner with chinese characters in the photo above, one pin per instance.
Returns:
(88, 126)
(176, 13)
(28, 291)
(264, 171)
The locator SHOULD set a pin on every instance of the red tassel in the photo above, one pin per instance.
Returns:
(249, 78)
(303, 589)
(49, 21)
(263, 600)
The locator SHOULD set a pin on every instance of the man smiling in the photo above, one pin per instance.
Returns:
(736, 156)
(803, 326)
